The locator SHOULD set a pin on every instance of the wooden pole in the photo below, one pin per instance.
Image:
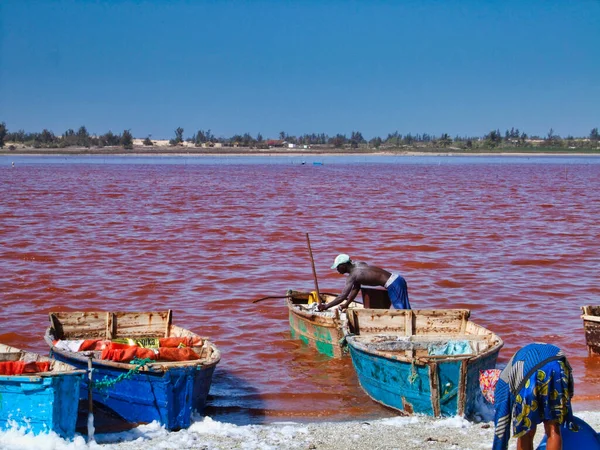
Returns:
(90, 424)
(312, 261)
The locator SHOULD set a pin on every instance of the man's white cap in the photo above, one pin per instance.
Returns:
(340, 259)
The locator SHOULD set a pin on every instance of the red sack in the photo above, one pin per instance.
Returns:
(21, 367)
(126, 354)
(175, 342)
(91, 344)
(11, 367)
(177, 354)
(36, 367)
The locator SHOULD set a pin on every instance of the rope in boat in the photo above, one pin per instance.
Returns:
(413, 373)
(106, 383)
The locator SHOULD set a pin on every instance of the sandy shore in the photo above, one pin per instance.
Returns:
(408, 433)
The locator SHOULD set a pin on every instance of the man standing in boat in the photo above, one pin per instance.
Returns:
(360, 273)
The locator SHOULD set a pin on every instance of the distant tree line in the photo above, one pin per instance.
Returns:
(494, 139)
(70, 138)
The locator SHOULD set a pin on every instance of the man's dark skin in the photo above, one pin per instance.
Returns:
(359, 273)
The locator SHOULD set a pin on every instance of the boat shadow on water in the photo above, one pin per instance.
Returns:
(233, 400)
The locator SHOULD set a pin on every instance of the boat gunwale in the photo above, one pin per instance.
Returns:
(589, 314)
(400, 356)
(70, 369)
(496, 342)
(315, 317)
(589, 318)
(152, 367)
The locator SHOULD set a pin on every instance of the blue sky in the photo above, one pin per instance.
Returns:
(458, 67)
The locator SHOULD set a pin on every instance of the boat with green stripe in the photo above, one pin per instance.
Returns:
(323, 330)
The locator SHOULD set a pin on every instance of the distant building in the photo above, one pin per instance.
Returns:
(275, 143)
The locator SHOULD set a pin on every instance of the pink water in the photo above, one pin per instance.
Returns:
(517, 244)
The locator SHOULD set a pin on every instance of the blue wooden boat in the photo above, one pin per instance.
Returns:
(421, 361)
(37, 393)
(139, 391)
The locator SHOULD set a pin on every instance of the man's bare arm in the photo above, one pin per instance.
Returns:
(351, 297)
(348, 289)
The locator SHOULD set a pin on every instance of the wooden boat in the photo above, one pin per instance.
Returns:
(322, 330)
(325, 330)
(142, 391)
(591, 325)
(421, 361)
(37, 393)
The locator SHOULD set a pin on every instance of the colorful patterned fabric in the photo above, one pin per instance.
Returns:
(545, 396)
(487, 383)
(522, 366)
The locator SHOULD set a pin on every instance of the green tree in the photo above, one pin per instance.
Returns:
(178, 137)
(83, 137)
(375, 142)
(594, 135)
(127, 140)
(109, 139)
(46, 137)
(2, 134)
(493, 138)
(338, 141)
(247, 140)
(148, 142)
(201, 137)
(445, 140)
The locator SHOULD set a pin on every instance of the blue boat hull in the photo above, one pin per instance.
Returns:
(444, 388)
(41, 404)
(168, 397)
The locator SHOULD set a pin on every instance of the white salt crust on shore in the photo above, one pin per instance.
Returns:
(416, 432)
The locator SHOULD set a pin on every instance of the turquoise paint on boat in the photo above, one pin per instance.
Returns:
(320, 330)
(448, 382)
(41, 402)
(393, 383)
(421, 361)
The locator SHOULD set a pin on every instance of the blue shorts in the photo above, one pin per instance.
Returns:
(398, 293)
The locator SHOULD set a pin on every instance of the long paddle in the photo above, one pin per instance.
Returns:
(313, 269)
(282, 296)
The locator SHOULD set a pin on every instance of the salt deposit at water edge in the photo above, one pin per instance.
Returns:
(414, 432)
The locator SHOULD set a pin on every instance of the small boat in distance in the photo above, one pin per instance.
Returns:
(144, 367)
(38, 393)
(421, 361)
(591, 325)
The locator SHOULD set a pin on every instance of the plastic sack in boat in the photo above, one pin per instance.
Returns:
(178, 342)
(115, 352)
(21, 367)
(177, 354)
